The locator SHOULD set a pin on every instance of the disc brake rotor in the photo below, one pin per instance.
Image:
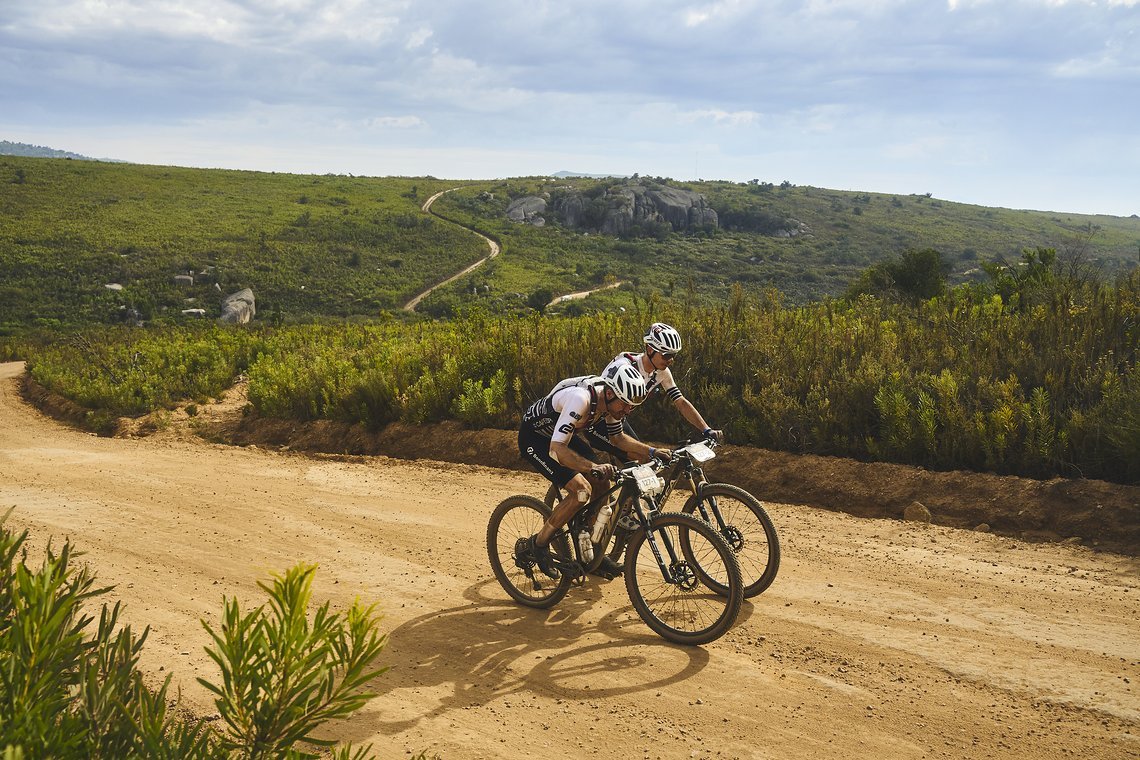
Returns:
(683, 576)
(734, 537)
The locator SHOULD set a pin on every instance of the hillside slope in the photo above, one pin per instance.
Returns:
(82, 241)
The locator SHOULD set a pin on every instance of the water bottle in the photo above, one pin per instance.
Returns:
(600, 522)
(586, 547)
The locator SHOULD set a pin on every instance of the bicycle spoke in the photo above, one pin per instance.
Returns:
(746, 528)
(512, 522)
(683, 608)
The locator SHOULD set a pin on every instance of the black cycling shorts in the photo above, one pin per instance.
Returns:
(535, 448)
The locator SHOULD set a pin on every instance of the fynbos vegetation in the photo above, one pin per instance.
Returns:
(84, 242)
(1034, 377)
(73, 690)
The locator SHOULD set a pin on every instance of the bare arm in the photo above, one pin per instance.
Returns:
(690, 413)
(639, 450)
(567, 457)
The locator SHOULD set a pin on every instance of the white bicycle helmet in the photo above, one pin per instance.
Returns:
(626, 383)
(663, 338)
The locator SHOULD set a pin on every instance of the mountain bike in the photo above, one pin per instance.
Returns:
(681, 576)
(737, 515)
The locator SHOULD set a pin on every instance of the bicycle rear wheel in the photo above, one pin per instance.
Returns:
(515, 520)
(681, 608)
(747, 529)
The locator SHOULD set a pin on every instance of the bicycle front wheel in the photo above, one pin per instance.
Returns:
(670, 595)
(745, 525)
(516, 519)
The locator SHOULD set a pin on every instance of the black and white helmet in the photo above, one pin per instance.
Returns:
(626, 383)
(663, 338)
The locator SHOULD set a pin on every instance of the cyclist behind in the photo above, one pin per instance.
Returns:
(662, 344)
(547, 440)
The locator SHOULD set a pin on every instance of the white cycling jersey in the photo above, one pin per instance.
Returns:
(570, 406)
(658, 378)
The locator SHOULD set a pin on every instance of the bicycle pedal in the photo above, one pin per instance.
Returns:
(575, 571)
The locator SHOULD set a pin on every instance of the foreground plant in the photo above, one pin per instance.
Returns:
(67, 691)
(283, 675)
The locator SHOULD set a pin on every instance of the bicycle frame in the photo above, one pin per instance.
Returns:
(629, 499)
(685, 469)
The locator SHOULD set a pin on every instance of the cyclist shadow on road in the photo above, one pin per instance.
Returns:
(492, 648)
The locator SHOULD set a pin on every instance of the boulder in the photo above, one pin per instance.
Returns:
(528, 209)
(916, 511)
(625, 206)
(571, 210)
(238, 308)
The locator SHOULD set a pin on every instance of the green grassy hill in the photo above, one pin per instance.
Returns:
(342, 246)
(846, 232)
(309, 246)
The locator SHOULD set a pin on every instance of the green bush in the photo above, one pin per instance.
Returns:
(478, 406)
(67, 691)
(284, 674)
(1041, 385)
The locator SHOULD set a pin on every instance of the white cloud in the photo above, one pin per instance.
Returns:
(418, 38)
(719, 116)
(396, 122)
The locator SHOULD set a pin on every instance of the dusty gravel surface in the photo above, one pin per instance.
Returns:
(879, 638)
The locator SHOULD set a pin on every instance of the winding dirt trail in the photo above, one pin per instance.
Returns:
(412, 304)
(583, 293)
(879, 639)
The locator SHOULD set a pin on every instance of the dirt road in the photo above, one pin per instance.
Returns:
(491, 244)
(879, 638)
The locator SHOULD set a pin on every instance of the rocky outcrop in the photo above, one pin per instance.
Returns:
(620, 210)
(238, 308)
(571, 210)
(682, 209)
(529, 209)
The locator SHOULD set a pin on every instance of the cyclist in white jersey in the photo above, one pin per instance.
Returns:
(662, 344)
(547, 440)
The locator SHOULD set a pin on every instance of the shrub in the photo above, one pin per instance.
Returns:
(480, 406)
(69, 692)
(284, 674)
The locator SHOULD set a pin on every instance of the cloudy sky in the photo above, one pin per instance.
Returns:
(1014, 103)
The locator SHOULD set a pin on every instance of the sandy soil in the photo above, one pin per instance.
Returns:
(880, 638)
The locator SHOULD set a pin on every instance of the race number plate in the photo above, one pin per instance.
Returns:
(699, 452)
(647, 481)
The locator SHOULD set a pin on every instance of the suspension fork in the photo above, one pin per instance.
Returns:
(698, 481)
(666, 567)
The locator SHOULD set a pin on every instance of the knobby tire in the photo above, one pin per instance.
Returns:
(521, 517)
(690, 613)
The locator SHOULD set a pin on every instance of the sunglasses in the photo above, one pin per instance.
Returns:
(667, 355)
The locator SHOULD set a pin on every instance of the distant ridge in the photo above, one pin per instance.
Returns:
(8, 148)
(565, 174)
